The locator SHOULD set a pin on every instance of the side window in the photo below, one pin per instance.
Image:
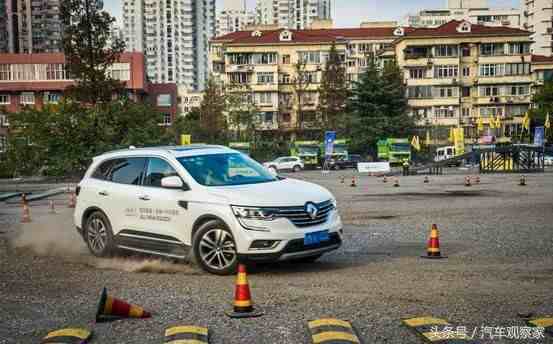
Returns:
(128, 171)
(157, 170)
(102, 171)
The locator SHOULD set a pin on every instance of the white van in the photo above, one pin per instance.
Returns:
(197, 200)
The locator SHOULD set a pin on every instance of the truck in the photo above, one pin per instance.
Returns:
(395, 151)
(308, 151)
(242, 147)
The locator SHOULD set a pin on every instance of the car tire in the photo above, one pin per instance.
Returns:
(336, 167)
(214, 248)
(98, 235)
(297, 168)
(273, 169)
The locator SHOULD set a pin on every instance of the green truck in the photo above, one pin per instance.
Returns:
(242, 147)
(395, 151)
(308, 151)
(340, 149)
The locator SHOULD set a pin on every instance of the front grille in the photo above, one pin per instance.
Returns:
(299, 217)
(295, 246)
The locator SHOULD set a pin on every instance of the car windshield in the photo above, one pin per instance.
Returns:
(225, 169)
(306, 150)
(401, 147)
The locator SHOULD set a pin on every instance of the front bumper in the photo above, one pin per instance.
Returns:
(295, 249)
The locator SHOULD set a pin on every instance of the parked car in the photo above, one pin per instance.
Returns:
(345, 163)
(198, 201)
(285, 163)
(548, 160)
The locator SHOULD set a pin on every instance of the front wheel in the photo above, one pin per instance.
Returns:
(297, 168)
(215, 249)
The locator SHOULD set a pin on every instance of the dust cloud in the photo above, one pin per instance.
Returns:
(54, 235)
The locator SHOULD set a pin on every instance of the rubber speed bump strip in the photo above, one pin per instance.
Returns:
(68, 336)
(332, 331)
(546, 323)
(186, 335)
(435, 330)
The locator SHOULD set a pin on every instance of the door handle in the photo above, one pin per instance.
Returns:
(103, 193)
(144, 198)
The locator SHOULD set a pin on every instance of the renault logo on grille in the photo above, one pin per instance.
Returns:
(312, 210)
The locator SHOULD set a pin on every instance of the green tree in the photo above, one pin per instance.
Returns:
(333, 93)
(88, 51)
(213, 122)
(188, 125)
(543, 105)
(378, 107)
(300, 85)
(242, 112)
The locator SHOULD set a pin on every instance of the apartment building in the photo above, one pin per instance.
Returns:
(174, 35)
(461, 72)
(542, 70)
(475, 11)
(233, 20)
(293, 14)
(187, 100)
(37, 79)
(263, 61)
(537, 17)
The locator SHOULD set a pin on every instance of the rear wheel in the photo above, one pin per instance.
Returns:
(215, 249)
(98, 234)
(297, 168)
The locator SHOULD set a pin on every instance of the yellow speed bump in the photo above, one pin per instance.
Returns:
(186, 335)
(546, 323)
(332, 331)
(436, 330)
(67, 336)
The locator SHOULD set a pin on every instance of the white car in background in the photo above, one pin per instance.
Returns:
(285, 163)
(548, 160)
(210, 203)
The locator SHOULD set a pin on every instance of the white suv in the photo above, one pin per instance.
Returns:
(292, 163)
(210, 202)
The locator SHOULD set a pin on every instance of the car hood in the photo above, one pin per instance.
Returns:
(281, 193)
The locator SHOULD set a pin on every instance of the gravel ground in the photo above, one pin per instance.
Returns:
(498, 237)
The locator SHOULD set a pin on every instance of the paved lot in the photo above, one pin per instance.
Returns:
(498, 237)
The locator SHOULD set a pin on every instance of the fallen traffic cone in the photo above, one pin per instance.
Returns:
(467, 181)
(110, 309)
(51, 206)
(72, 200)
(522, 181)
(433, 247)
(426, 180)
(384, 180)
(396, 183)
(26, 217)
(353, 184)
(243, 305)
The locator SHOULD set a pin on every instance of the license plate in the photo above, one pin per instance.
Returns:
(315, 238)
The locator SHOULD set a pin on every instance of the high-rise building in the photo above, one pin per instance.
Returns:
(174, 35)
(3, 27)
(293, 14)
(475, 11)
(234, 5)
(39, 27)
(233, 20)
(536, 17)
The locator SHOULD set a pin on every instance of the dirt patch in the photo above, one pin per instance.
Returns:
(441, 194)
(141, 265)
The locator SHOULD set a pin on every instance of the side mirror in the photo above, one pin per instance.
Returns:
(174, 182)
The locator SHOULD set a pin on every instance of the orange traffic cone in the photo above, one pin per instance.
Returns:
(72, 200)
(243, 305)
(110, 309)
(52, 208)
(426, 180)
(467, 181)
(385, 180)
(433, 248)
(522, 181)
(26, 217)
(353, 183)
(396, 183)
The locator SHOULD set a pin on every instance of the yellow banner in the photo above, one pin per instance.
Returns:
(185, 140)
(459, 141)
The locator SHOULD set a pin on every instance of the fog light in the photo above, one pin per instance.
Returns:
(264, 244)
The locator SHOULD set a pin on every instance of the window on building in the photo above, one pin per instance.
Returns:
(492, 49)
(446, 71)
(264, 98)
(466, 91)
(444, 112)
(309, 116)
(27, 98)
(516, 110)
(164, 100)
(4, 99)
(519, 48)
(518, 90)
(419, 92)
(167, 119)
(267, 117)
(517, 69)
(265, 78)
(489, 91)
(446, 92)
(310, 56)
(286, 59)
(466, 50)
(55, 71)
(239, 78)
(310, 77)
(264, 58)
(491, 111)
(5, 72)
(492, 69)
(466, 71)
(417, 73)
(446, 51)
(284, 78)
(52, 97)
(465, 112)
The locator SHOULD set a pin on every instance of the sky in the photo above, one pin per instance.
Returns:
(350, 13)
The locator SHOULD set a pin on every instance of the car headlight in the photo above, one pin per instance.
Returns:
(334, 203)
(254, 218)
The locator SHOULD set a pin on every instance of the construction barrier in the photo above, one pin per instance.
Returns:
(186, 334)
(435, 330)
(329, 331)
(67, 336)
(546, 323)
